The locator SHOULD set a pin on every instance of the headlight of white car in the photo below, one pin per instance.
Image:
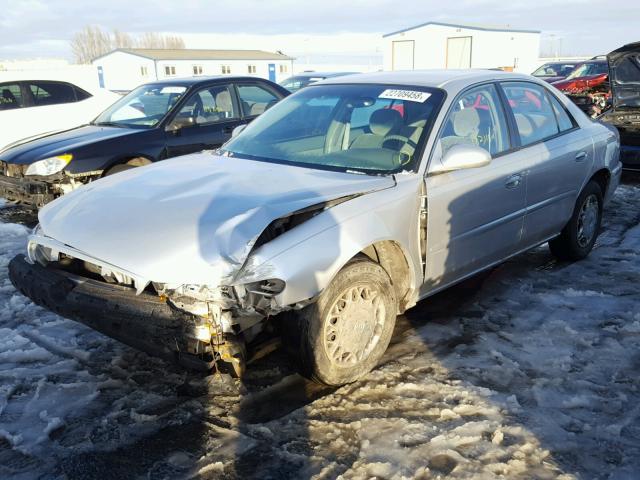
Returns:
(49, 166)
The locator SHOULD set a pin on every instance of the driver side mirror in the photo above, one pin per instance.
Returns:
(461, 157)
(179, 123)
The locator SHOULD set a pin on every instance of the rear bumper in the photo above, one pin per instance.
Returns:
(142, 321)
(31, 192)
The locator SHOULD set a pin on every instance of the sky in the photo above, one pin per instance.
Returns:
(310, 30)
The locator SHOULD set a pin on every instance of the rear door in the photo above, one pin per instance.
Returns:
(205, 120)
(475, 215)
(559, 153)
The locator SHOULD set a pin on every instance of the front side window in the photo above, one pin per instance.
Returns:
(10, 96)
(51, 93)
(255, 99)
(376, 129)
(532, 110)
(207, 106)
(476, 118)
(144, 107)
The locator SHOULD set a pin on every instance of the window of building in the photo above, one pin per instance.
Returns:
(284, 68)
(143, 71)
(169, 70)
(251, 68)
(197, 69)
(226, 69)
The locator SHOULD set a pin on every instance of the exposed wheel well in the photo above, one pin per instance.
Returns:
(390, 256)
(602, 177)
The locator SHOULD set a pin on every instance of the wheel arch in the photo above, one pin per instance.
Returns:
(140, 161)
(602, 177)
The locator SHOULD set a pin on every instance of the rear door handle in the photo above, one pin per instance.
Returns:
(513, 181)
(581, 156)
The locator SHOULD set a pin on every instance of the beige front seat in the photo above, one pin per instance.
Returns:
(224, 104)
(382, 123)
(466, 127)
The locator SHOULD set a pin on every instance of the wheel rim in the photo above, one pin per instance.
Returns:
(587, 220)
(353, 327)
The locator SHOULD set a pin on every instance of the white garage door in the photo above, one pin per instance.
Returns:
(403, 55)
(459, 52)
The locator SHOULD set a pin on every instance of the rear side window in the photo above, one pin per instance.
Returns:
(533, 112)
(255, 99)
(51, 93)
(565, 122)
(10, 96)
(80, 94)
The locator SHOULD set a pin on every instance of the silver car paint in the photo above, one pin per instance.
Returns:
(151, 222)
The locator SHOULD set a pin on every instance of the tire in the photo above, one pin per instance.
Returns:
(331, 354)
(579, 235)
(132, 163)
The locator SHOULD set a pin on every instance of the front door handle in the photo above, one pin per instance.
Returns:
(581, 156)
(513, 181)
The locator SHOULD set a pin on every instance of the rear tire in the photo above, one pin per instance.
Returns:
(580, 233)
(342, 336)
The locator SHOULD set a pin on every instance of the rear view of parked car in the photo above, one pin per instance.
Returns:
(304, 79)
(333, 212)
(30, 108)
(155, 121)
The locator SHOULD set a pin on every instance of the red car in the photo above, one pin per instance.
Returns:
(588, 86)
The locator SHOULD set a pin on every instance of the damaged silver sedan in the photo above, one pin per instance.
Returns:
(333, 212)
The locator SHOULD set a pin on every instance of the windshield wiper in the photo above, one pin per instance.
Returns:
(109, 124)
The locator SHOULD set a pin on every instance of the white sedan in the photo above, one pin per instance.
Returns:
(30, 108)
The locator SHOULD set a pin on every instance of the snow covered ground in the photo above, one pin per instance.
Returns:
(528, 372)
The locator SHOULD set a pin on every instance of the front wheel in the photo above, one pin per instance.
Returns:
(579, 235)
(342, 336)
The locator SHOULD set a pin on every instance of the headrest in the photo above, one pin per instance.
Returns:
(223, 101)
(466, 123)
(384, 121)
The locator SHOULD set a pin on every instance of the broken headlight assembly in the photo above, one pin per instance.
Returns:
(49, 166)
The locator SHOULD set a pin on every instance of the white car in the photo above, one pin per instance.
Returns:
(31, 108)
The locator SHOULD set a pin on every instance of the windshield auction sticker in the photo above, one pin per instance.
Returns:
(409, 95)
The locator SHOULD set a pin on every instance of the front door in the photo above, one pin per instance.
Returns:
(475, 215)
(204, 122)
(272, 72)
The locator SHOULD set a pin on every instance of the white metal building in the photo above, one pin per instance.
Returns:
(126, 68)
(444, 45)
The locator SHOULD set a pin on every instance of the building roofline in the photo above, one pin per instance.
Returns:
(139, 52)
(468, 27)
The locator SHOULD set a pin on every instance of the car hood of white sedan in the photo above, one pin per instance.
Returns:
(191, 219)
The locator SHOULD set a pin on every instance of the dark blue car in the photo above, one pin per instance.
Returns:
(155, 121)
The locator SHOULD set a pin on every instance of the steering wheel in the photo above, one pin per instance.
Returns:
(398, 138)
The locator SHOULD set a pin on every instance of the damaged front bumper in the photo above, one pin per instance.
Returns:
(37, 191)
(143, 321)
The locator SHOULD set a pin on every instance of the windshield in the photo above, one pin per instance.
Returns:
(366, 128)
(588, 69)
(144, 107)
(554, 70)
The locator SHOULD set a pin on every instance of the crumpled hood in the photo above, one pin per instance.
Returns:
(191, 219)
(624, 72)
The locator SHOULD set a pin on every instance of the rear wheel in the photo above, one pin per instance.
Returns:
(580, 234)
(342, 336)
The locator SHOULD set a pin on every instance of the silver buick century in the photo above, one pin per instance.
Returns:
(336, 210)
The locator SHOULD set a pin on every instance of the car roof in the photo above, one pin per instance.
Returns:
(449, 79)
(191, 81)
